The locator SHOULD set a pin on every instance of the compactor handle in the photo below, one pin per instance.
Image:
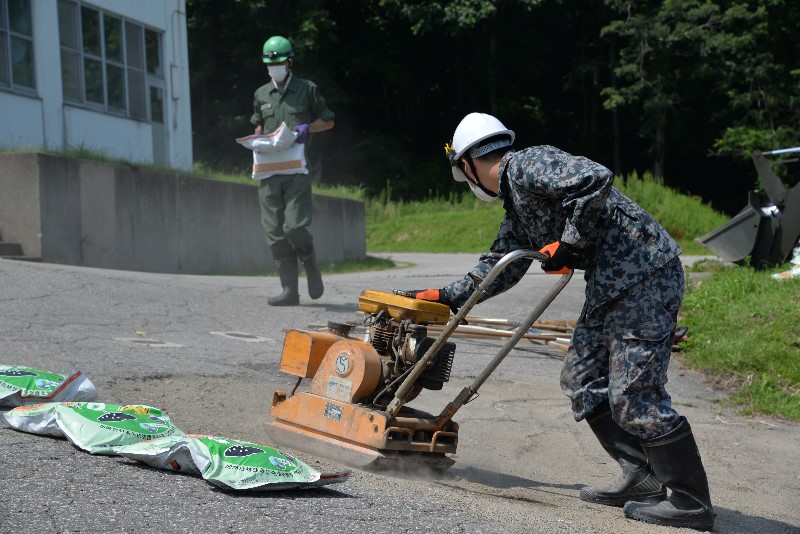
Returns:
(467, 393)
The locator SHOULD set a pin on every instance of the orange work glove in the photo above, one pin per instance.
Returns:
(563, 257)
(432, 295)
(421, 294)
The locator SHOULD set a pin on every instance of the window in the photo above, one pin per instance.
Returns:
(16, 46)
(107, 62)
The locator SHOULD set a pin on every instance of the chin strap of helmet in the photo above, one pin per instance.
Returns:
(477, 181)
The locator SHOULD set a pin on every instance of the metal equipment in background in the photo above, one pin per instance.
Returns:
(354, 409)
(766, 230)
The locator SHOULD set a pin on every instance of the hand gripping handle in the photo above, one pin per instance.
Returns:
(468, 392)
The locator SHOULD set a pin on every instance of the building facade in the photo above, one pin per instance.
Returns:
(105, 76)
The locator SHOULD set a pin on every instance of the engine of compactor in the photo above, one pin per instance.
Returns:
(397, 331)
(369, 371)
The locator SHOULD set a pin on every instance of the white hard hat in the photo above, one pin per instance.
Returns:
(473, 129)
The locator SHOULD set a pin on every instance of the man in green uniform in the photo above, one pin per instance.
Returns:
(286, 205)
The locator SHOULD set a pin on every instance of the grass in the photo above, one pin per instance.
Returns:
(341, 191)
(743, 331)
(462, 223)
(685, 218)
(456, 224)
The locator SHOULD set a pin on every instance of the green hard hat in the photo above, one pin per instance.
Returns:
(277, 49)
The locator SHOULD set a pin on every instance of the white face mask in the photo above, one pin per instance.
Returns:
(481, 194)
(278, 72)
(459, 176)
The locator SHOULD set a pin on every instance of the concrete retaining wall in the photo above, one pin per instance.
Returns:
(97, 214)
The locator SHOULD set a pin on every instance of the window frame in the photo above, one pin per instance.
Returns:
(7, 36)
(136, 106)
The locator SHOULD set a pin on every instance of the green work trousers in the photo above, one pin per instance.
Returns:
(286, 208)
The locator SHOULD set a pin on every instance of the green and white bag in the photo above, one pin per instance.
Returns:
(229, 463)
(27, 385)
(95, 427)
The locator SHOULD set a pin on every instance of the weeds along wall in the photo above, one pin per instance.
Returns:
(98, 214)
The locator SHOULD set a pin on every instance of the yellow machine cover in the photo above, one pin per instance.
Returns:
(401, 308)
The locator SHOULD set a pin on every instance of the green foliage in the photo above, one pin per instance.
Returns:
(462, 223)
(743, 324)
(741, 141)
(341, 191)
(706, 266)
(86, 152)
(459, 223)
(667, 45)
(686, 218)
(91, 153)
(457, 16)
(680, 77)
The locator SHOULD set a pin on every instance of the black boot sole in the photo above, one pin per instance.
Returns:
(590, 496)
(634, 512)
(284, 302)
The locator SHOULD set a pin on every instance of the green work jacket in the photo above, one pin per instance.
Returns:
(301, 103)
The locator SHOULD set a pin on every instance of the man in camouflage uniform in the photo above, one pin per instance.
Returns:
(286, 200)
(616, 366)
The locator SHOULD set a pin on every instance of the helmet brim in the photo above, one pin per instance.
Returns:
(279, 59)
(465, 150)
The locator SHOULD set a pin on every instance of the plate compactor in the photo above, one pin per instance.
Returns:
(354, 411)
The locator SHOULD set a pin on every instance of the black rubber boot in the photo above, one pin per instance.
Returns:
(637, 482)
(676, 462)
(287, 270)
(313, 276)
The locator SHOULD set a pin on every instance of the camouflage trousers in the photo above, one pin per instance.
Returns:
(620, 353)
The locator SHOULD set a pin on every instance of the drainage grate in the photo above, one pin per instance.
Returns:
(243, 336)
(152, 343)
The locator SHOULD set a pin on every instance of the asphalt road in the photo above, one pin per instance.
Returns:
(521, 460)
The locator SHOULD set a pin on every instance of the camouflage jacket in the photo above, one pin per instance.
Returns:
(550, 195)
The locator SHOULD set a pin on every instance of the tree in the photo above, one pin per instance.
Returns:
(673, 51)
(635, 85)
(763, 82)
(661, 43)
(460, 18)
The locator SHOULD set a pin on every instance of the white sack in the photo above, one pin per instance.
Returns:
(276, 153)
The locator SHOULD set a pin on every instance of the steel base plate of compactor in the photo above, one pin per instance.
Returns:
(359, 436)
(353, 454)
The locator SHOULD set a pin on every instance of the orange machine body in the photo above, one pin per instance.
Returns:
(335, 416)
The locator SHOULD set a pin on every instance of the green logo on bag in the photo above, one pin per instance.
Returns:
(35, 382)
(129, 418)
(249, 456)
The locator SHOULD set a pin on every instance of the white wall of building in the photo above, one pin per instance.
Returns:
(21, 121)
(44, 120)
